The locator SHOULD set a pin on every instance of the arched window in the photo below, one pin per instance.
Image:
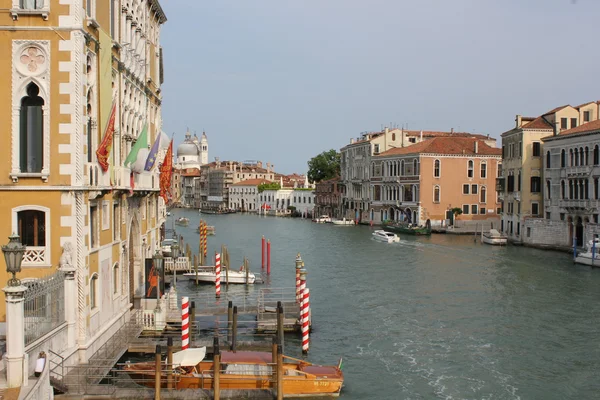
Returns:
(563, 192)
(402, 168)
(483, 170)
(563, 158)
(576, 158)
(415, 167)
(587, 155)
(548, 159)
(571, 157)
(393, 136)
(116, 278)
(596, 155)
(571, 189)
(483, 194)
(548, 191)
(31, 130)
(93, 291)
(436, 194)
(470, 169)
(581, 159)
(436, 169)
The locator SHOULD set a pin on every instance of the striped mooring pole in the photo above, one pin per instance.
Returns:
(218, 274)
(304, 311)
(185, 323)
(299, 265)
(205, 238)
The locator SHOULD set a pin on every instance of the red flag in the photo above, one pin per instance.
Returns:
(166, 169)
(107, 141)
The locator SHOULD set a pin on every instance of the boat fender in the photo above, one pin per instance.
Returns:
(40, 363)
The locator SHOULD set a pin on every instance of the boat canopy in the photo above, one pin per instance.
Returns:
(189, 357)
(494, 232)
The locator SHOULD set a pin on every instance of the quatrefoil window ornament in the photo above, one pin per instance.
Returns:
(32, 57)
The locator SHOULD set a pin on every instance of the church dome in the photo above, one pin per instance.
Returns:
(187, 149)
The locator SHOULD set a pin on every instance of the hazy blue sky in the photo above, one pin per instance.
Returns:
(282, 80)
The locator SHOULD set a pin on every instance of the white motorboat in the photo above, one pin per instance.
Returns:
(342, 222)
(166, 246)
(323, 219)
(182, 221)
(383, 236)
(207, 274)
(590, 256)
(494, 237)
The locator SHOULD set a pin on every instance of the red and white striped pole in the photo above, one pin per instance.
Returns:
(218, 274)
(185, 323)
(304, 311)
(299, 264)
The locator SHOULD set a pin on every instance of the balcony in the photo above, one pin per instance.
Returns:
(516, 196)
(500, 184)
(146, 181)
(583, 204)
(580, 171)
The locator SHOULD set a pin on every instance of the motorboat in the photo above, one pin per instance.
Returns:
(242, 370)
(408, 228)
(384, 236)
(208, 274)
(590, 255)
(210, 230)
(322, 219)
(494, 237)
(166, 246)
(182, 221)
(343, 222)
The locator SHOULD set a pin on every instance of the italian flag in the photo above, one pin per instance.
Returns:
(139, 152)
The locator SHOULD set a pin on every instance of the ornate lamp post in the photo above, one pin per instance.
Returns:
(13, 255)
(158, 267)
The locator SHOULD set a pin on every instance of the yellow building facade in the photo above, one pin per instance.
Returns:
(65, 64)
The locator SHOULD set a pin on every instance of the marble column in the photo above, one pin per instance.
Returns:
(70, 300)
(15, 335)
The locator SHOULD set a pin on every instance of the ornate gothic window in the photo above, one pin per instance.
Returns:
(436, 168)
(31, 131)
(470, 169)
(436, 194)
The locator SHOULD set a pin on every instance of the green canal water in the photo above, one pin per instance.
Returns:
(429, 318)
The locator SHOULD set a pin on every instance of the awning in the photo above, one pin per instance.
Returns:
(189, 357)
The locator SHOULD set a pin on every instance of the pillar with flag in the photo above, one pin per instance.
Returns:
(166, 169)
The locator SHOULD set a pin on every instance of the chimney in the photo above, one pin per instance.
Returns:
(230, 166)
(519, 120)
(476, 146)
(556, 128)
(268, 167)
(351, 140)
(259, 164)
(402, 135)
(421, 136)
(451, 131)
(386, 130)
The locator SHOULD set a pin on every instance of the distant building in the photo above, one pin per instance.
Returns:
(426, 180)
(243, 196)
(522, 182)
(328, 198)
(191, 155)
(355, 163)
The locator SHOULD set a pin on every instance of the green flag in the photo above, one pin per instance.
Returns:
(140, 143)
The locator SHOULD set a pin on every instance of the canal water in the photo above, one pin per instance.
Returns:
(438, 317)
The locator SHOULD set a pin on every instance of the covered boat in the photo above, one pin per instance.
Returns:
(410, 229)
(182, 221)
(244, 370)
(208, 274)
(590, 255)
(383, 236)
(494, 237)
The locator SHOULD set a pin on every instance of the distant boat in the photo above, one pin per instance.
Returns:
(494, 237)
(216, 212)
(410, 229)
(210, 230)
(182, 221)
(590, 256)
(384, 236)
(343, 222)
(322, 219)
(208, 274)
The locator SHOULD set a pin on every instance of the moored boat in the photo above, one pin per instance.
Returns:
(210, 230)
(383, 236)
(243, 370)
(494, 237)
(322, 219)
(590, 256)
(208, 274)
(343, 222)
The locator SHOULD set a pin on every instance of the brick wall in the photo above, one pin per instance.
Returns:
(545, 233)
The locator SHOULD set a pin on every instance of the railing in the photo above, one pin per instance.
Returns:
(146, 181)
(44, 305)
(122, 178)
(582, 203)
(180, 264)
(35, 255)
(578, 171)
(94, 176)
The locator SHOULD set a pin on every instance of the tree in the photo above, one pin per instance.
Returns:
(456, 211)
(324, 166)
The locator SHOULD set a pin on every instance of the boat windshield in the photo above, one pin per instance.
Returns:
(168, 242)
(248, 369)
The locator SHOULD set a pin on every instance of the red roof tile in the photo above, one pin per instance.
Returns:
(538, 123)
(557, 109)
(447, 145)
(587, 127)
(251, 182)
(431, 134)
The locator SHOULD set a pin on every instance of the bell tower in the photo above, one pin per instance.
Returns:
(203, 149)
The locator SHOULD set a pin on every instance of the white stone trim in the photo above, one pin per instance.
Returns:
(15, 228)
(20, 79)
(16, 10)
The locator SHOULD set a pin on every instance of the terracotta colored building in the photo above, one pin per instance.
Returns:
(328, 200)
(424, 181)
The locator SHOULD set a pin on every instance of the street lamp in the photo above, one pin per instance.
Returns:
(13, 255)
(158, 267)
(175, 254)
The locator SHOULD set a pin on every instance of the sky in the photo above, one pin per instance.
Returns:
(283, 80)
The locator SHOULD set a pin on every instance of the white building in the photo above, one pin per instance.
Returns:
(243, 196)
